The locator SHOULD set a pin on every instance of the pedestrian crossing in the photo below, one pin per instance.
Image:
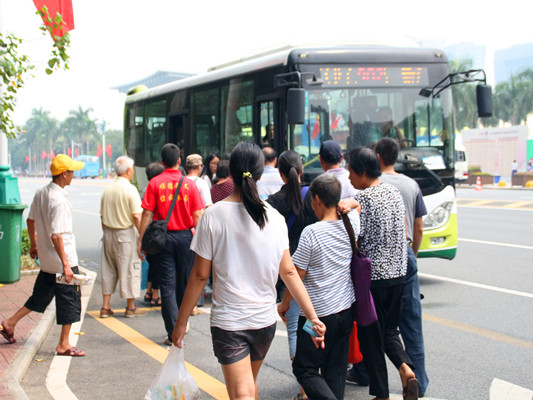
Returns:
(500, 204)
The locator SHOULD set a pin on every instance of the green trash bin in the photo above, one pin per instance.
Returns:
(10, 241)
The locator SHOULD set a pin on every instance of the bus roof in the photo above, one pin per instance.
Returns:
(299, 55)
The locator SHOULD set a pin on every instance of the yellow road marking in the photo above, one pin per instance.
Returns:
(517, 204)
(476, 203)
(205, 382)
(478, 331)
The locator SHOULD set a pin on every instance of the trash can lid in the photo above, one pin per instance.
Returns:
(13, 207)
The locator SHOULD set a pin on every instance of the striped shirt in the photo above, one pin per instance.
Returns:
(325, 253)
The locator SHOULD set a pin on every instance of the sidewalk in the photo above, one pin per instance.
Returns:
(30, 332)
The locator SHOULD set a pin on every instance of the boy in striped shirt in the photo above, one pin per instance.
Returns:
(323, 262)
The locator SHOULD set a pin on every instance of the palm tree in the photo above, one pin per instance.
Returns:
(464, 97)
(79, 126)
(41, 136)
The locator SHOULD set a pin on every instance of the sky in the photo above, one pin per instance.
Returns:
(116, 42)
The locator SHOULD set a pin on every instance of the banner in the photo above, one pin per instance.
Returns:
(43, 155)
(64, 8)
(108, 150)
(69, 152)
(27, 159)
(99, 151)
(76, 152)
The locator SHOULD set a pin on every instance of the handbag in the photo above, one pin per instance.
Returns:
(364, 311)
(155, 236)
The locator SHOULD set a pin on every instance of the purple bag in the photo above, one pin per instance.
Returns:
(364, 311)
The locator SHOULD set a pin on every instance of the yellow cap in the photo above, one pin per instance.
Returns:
(62, 163)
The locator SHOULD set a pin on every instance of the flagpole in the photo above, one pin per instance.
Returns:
(3, 137)
(104, 171)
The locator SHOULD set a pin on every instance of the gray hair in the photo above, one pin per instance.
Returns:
(122, 164)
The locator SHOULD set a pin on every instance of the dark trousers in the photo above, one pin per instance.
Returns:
(322, 372)
(411, 321)
(174, 266)
(153, 271)
(383, 337)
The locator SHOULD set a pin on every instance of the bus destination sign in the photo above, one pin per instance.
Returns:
(374, 76)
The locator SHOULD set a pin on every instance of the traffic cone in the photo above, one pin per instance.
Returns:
(478, 183)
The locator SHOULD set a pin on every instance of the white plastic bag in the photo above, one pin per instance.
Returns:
(173, 381)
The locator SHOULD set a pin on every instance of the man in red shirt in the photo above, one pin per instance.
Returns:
(176, 259)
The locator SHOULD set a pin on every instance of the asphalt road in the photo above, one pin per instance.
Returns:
(478, 319)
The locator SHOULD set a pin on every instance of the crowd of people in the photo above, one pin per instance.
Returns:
(220, 210)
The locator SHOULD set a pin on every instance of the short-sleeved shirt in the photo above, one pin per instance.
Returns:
(245, 264)
(119, 202)
(412, 198)
(204, 189)
(269, 183)
(52, 213)
(382, 237)
(325, 253)
(343, 176)
(159, 194)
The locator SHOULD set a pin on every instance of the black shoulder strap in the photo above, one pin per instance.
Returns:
(176, 194)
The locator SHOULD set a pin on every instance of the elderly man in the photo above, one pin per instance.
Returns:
(53, 244)
(121, 211)
(194, 166)
(270, 181)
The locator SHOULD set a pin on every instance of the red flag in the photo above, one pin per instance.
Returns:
(52, 154)
(98, 151)
(69, 152)
(108, 150)
(43, 155)
(64, 8)
(27, 159)
(336, 122)
(316, 128)
(76, 152)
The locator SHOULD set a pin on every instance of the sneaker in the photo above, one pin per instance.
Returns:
(134, 313)
(168, 342)
(104, 313)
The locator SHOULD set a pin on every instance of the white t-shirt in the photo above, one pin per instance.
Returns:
(203, 188)
(245, 264)
(325, 253)
(52, 213)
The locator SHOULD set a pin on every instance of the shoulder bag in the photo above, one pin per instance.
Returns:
(155, 236)
(364, 311)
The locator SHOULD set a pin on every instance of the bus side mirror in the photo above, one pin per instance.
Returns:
(296, 106)
(484, 100)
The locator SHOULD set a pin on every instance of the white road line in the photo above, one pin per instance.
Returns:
(56, 379)
(516, 246)
(476, 285)
(502, 390)
(87, 212)
(495, 208)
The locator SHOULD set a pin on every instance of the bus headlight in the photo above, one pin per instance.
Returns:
(439, 216)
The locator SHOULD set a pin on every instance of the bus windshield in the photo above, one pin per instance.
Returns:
(359, 115)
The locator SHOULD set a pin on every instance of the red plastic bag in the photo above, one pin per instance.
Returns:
(354, 353)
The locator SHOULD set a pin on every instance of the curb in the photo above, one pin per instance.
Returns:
(16, 371)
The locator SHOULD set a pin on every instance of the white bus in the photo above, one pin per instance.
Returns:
(296, 98)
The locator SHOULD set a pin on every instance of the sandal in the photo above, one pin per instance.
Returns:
(148, 297)
(10, 337)
(156, 301)
(72, 352)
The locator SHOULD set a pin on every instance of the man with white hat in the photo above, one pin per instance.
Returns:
(54, 246)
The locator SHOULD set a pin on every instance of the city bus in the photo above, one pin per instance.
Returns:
(91, 168)
(296, 98)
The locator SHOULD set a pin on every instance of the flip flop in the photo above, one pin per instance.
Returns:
(8, 336)
(410, 392)
(72, 352)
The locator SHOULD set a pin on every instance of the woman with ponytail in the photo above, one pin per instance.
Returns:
(244, 241)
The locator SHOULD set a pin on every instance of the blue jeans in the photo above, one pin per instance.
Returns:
(292, 326)
(174, 266)
(411, 321)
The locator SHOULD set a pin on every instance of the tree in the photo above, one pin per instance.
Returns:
(513, 100)
(79, 127)
(464, 97)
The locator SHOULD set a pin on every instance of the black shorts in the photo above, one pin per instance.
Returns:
(233, 346)
(68, 298)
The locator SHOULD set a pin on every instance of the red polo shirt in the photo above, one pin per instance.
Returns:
(158, 197)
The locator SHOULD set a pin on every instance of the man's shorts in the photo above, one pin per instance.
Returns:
(233, 346)
(68, 298)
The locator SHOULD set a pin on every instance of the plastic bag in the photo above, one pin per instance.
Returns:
(173, 381)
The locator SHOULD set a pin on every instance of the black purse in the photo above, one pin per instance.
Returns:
(155, 236)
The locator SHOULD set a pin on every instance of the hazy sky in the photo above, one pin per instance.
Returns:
(119, 41)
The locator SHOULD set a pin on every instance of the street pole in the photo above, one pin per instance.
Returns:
(3, 137)
(104, 172)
